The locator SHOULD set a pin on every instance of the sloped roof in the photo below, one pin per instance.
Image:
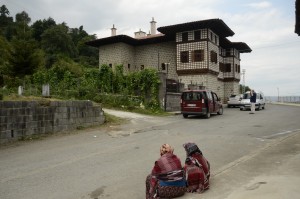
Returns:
(240, 46)
(169, 32)
(129, 40)
(216, 25)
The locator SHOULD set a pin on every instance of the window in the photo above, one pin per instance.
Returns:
(211, 36)
(228, 68)
(197, 35)
(228, 53)
(197, 55)
(184, 56)
(213, 57)
(185, 36)
(110, 65)
(163, 66)
(216, 39)
(128, 66)
(221, 67)
(142, 67)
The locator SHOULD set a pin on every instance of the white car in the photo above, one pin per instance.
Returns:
(260, 101)
(234, 100)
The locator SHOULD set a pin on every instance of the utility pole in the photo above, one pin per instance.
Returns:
(243, 73)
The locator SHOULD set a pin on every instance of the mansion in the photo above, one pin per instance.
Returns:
(194, 54)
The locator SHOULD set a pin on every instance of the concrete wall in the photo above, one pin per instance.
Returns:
(19, 119)
(173, 101)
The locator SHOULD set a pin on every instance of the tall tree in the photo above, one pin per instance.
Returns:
(26, 57)
(56, 40)
(5, 52)
(39, 27)
(5, 20)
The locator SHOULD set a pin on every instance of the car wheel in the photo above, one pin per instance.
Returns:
(241, 109)
(228, 106)
(258, 109)
(207, 115)
(185, 115)
(220, 112)
(264, 106)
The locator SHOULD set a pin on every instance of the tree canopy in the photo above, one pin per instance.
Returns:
(27, 47)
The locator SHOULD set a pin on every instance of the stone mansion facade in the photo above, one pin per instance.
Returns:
(195, 53)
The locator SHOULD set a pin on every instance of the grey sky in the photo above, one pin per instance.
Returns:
(266, 26)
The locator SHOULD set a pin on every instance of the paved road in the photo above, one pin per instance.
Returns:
(252, 156)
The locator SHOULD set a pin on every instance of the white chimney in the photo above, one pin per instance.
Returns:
(139, 34)
(153, 26)
(113, 31)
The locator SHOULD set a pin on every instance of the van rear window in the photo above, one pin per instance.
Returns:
(192, 96)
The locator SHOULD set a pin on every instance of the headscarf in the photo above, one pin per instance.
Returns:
(166, 148)
(191, 148)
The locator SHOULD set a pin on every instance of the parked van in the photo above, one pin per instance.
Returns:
(260, 101)
(200, 102)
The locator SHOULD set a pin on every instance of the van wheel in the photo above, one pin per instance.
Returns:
(185, 115)
(258, 109)
(263, 106)
(220, 112)
(207, 115)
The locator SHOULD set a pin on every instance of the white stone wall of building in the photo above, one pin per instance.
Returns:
(209, 81)
(202, 45)
(212, 65)
(115, 54)
(215, 85)
(200, 80)
(155, 55)
(231, 88)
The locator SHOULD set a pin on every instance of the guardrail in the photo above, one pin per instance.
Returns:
(284, 99)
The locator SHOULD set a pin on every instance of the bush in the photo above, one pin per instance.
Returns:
(1, 96)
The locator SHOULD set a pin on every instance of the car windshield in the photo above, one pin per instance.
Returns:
(193, 96)
(246, 96)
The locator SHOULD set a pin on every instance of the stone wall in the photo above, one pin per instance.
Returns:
(20, 119)
(173, 101)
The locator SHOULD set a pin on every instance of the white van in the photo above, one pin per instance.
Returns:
(260, 101)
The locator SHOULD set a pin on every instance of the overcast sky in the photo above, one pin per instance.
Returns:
(266, 26)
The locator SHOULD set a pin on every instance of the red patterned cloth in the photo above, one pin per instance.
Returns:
(167, 168)
(204, 163)
(195, 176)
(166, 163)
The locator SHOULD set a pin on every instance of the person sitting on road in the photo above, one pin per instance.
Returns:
(167, 177)
(197, 169)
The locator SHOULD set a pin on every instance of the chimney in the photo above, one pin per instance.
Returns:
(139, 34)
(153, 26)
(113, 31)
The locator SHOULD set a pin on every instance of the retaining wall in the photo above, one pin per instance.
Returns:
(19, 119)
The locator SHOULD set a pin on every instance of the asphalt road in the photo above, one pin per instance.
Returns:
(252, 156)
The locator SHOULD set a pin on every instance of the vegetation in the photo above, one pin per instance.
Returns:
(55, 54)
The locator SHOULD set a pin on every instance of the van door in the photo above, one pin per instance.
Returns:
(215, 102)
(210, 102)
(192, 101)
